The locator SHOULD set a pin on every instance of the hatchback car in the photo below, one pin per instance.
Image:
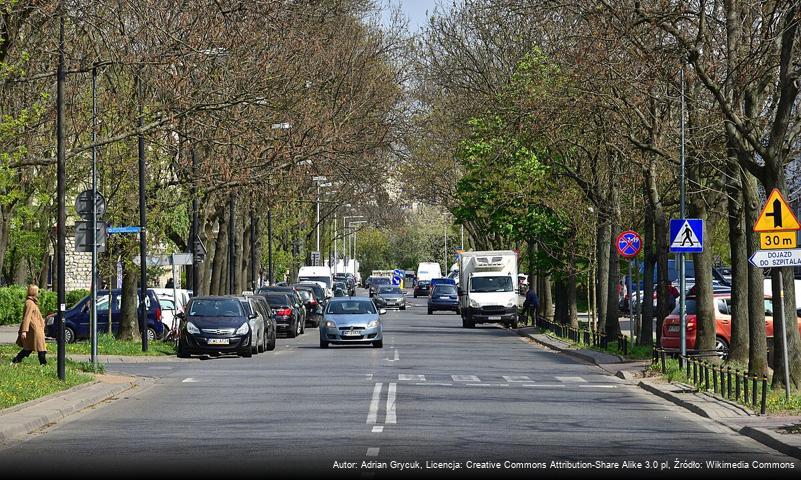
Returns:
(314, 311)
(443, 297)
(287, 319)
(377, 282)
(390, 297)
(218, 324)
(256, 304)
(352, 320)
(671, 327)
(297, 303)
(422, 288)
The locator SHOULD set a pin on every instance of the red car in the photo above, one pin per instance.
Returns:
(671, 328)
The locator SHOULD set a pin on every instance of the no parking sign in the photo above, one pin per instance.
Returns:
(629, 244)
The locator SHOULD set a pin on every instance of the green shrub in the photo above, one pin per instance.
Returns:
(12, 301)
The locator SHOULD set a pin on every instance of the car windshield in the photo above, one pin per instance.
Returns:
(390, 290)
(690, 310)
(423, 283)
(325, 280)
(380, 281)
(277, 300)
(223, 307)
(445, 290)
(351, 307)
(491, 284)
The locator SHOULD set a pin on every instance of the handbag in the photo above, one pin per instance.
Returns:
(19, 340)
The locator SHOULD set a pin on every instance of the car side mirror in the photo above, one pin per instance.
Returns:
(252, 316)
(383, 311)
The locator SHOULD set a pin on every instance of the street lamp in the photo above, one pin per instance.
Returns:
(336, 253)
(353, 243)
(270, 279)
(321, 181)
(345, 249)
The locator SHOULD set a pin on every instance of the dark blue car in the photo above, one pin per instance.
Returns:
(443, 297)
(76, 319)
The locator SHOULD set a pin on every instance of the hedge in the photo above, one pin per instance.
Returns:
(12, 301)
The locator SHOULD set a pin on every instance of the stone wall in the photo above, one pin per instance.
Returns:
(78, 265)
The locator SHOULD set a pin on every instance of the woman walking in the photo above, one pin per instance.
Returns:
(31, 331)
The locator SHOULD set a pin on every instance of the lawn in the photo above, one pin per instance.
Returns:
(27, 380)
(108, 345)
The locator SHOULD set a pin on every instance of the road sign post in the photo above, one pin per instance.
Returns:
(777, 226)
(629, 245)
(686, 236)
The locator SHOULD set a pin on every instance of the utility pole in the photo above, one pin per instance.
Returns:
(682, 273)
(93, 283)
(142, 217)
(61, 238)
(270, 245)
(253, 256)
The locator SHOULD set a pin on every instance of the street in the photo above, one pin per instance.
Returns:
(437, 394)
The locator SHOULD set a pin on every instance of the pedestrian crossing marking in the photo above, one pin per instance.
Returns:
(516, 378)
(465, 378)
(571, 379)
(405, 377)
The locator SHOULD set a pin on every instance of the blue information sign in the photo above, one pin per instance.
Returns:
(687, 235)
(112, 230)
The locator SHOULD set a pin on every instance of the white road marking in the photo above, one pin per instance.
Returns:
(516, 378)
(372, 414)
(598, 386)
(393, 359)
(434, 384)
(160, 368)
(465, 378)
(378, 429)
(372, 452)
(369, 376)
(391, 416)
(571, 379)
(189, 380)
(405, 377)
(487, 384)
(544, 385)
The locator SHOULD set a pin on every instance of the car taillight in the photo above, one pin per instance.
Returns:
(284, 312)
(158, 314)
(313, 302)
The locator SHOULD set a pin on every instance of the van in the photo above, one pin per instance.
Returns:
(319, 275)
(428, 271)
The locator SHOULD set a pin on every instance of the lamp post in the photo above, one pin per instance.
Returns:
(345, 247)
(321, 181)
(353, 243)
(270, 279)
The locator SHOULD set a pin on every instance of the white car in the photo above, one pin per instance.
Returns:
(168, 304)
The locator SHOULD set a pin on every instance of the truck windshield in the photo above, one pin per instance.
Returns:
(491, 284)
(325, 280)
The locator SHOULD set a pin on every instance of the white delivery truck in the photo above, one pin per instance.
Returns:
(320, 275)
(488, 288)
(428, 270)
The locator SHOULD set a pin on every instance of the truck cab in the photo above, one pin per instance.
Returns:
(487, 288)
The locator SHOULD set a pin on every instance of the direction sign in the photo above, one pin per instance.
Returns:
(629, 244)
(83, 204)
(113, 230)
(776, 215)
(687, 235)
(776, 258)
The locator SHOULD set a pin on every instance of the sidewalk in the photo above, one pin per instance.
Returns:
(770, 431)
(30, 416)
(8, 333)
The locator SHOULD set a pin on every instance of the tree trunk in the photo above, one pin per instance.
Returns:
(570, 296)
(602, 234)
(612, 327)
(546, 298)
(129, 323)
(560, 296)
(738, 307)
(758, 350)
(217, 286)
(649, 259)
(704, 298)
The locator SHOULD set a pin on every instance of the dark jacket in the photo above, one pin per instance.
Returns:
(532, 300)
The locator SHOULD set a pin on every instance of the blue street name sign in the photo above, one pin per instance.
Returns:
(112, 230)
(687, 235)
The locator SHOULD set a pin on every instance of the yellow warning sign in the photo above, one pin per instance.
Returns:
(777, 215)
(777, 240)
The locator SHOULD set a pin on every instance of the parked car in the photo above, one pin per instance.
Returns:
(258, 305)
(390, 297)
(287, 320)
(349, 280)
(168, 304)
(443, 297)
(422, 289)
(315, 288)
(671, 327)
(442, 281)
(352, 320)
(77, 324)
(297, 302)
(219, 324)
(311, 304)
(378, 282)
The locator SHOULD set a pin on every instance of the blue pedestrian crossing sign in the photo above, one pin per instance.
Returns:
(687, 235)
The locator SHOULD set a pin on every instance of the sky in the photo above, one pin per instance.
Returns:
(414, 10)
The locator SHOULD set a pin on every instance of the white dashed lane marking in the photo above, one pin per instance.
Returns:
(372, 414)
(571, 379)
(516, 378)
(378, 429)
(465, 378)
(372, 452)
(405, 377)
(391, 417)
(189, 380)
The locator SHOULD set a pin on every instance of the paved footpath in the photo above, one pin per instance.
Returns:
(435, 393)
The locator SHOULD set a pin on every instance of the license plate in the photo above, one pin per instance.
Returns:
(218, 341)
(673, 328)
(494, 318)
(352, 333)
(444, 298)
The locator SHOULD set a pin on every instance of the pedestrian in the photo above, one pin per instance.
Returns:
(673, 295)
(31, 331)
(531, 305)
(170, 283)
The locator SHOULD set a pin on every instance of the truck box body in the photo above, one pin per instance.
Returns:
(487, 287)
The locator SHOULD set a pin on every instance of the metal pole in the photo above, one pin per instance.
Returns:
(318, 218)
(231, 245)
(779, 314)
(639, 301)
(270, 245)
(174, 291)
(142, 220)
(94, 219)
(445, 267)
(631, 304)
(62, 212)
(253, 257)
(195, 227)
(336, 254)
(680, 256)
(461, 229)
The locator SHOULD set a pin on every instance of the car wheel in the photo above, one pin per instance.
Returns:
(378, 344)
(182, 353)
(69, 335)
(514, 324)
(403, 307)
(271, 344)
(722, 347)
(263, 344)
(430, 312)
(293, 330)
(247, 352)
(323, 344)
(151, 334)
(303, 327)
(415, 295)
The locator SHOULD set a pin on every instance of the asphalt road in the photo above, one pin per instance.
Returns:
(435, 393)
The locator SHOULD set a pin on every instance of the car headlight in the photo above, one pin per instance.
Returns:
(474, 303)
(51, 320)
(243, 329)
(373, 324)
(330, 324)
(191, 328)
(511, 304)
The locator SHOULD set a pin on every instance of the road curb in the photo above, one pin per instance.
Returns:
(772, 440)
(570, 351)
(37, 413)
(674, 399)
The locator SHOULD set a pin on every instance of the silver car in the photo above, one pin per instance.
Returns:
(389, 296)
(349, 320)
